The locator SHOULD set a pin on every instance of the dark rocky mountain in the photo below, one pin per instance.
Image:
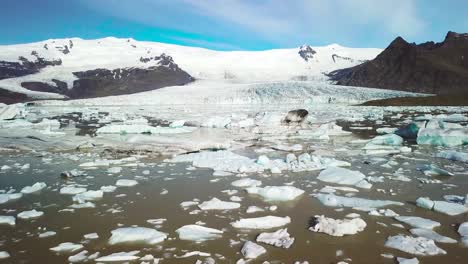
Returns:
(97, 82)
(306, 52)
(437, 68)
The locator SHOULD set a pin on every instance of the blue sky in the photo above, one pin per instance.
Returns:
(235, 24)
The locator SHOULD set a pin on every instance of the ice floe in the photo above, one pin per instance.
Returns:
(198, 233)
(38, 186)
(453, 155)
(88, 196)
(337, 227)
(216, 204)
(342, 201)
(463, 231)
(246, 182)
(119, 257)
(423, 232)
(414, 245)
(265, 222)
(7, 220)
(418, 222)
(444, 207)
(32, 214)
(280, 238)
(136, 235)
(126, 183)
(66, 247)
(276, 193)
(344, 176)
(7, 197)
(72, 190)
(251, 250)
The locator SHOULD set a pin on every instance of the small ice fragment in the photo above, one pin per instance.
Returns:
(126, 183)
(38, 186)
(407, 261)
(4, 255)
(342, 201)
(136, 235)
(72, 190)
(47, 234)
(279, 238)
(344, 176)
(246, 182)
(216, 204)
(91, 236)
(32, 214)
(119, 257)
(198, 233)
(251, 250)
(337, 227)
(7, 220)
(265, 222)
(67, 247)
(418, 222)
(276, 193)
(422, 232)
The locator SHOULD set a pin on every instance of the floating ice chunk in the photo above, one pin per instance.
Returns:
(246, 182)
(177, 124)
(88, 196)
(83, 205)
(453, 155)
(337, 227)
(265, 222)
(423, 232)
(194, 253)
(47, 234)
(108, 188)
(136, 235)
(386, 130)
(407, 261)
(444, 207)
(276, 193)
(72, 190)
(425, 202)
(279, 238)
(119, 257)
(342, 201)
(142, 129)
(254, 209)
(220, 161)
(126, 183)
(418, 222)
(443, 137)
(114, 170)
(216, 204)
(4, 255)
(6, 197)
(221, 173)
(82, 257)
(67, 247)
(263, 160)
(344, 176)
(7, 220)
(332, 189)
(198, 233)
(32, 214)
(38, 186)
(432, 170)
(388, 140)
(463, 231)
(251, 250)
(91, 236)
(414, 245)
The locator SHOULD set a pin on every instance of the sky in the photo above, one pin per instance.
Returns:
(235, 24)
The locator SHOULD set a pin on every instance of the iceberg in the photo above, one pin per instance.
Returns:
(136, 235)
(418, 222)
(414, 245)
(423, 232)
(251, 250)
(119, 257)
(443, 137)
(265, 222)
(216, 204)
(337, 227)
(342, 201)
(198, 233)
(38, 186)
(276, 193)
(453, 155)
(7, 220)
(32, 214)
(88, 196)
(344, 176)
(280, 238)
(67, 247)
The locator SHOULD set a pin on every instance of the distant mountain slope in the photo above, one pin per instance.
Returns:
(437, 68)
(77, 68)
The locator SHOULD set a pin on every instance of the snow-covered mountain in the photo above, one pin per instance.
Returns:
(78, 68)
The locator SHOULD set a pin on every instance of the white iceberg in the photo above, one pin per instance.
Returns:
(38, 186)
(344, 176)
(280, 238)
(423, 232)
(72, 190)
(342, 201)
(198, 233)
(251, 250)
(414, 245)
(88, 196)
(337, 227)
(67, 247)
(216, 204)
(136, 235)
(119, 257)
(276, 193)
(418, 222)
(126, 183)
(265, 222)
(7, 220)
(453, 155)
(32, 214)
(246, 182)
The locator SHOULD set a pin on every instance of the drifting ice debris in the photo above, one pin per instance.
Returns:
(198, 233)
(216, 204)
(443, 137)
(119, 257)
(342, 201)
(407, 261)
(4, 255)
(423, 232)
(453, 155)
(82, 257)
(254, 209)
(30, 214)
(38, 186)
(88, 196)
(344, 176)
(296, 116)
(251, 250)
(337, 227)
(6, 197)
(276, 193)
(72, 190)
(265, 222)
(414, 245)
(418, 222)
(386, 130)
(279, 238)
(136, 235)
(246, 182)
(432, 170)
(217, 122)
(388, 140)
(408, 132)
(444, 207)
(108, 188)
(114, 170)
(463, 231)
(126, 183)
(67, 247)
(142, 129)
(7, 220)
(47, 234)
